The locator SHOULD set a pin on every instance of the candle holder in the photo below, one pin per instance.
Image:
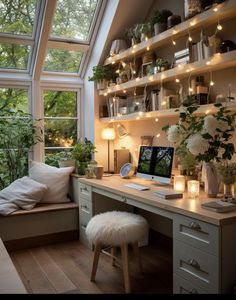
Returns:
(193, 189)
(179, 183)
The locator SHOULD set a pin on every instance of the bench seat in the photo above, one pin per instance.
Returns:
(44, 223)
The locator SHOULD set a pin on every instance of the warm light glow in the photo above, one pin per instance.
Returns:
(156, 120)
(133, 51)
(207, 112)
(124, 91)
(140, 113)
(108, 133)
(158, 135)
(137, 79)
(146, 38)
(138, 118)
(215, 9)
(177, 80)
(148, 48)
(190, 89)
(190, 39)
(193, 189)
(105, 94)
(212, 83)
(174, 43)
(208, 63)
(113, 62)
(123, 64)
(179, 183)
(150, 78)
(219, 27)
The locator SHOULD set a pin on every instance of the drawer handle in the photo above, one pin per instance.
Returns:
(192, 262)
(84, 189)
(84, 207)
(124, 199)
(195, 226)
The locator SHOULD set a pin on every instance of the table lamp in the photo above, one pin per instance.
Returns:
(108, 134)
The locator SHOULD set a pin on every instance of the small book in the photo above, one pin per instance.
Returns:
(168, 194)
(219, 206)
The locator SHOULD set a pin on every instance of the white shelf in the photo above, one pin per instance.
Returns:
(217, 62)
(225, 10)
(203, 109)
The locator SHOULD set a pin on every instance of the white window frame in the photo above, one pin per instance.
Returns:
(64, 88)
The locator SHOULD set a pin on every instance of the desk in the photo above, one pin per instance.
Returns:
(204, 242)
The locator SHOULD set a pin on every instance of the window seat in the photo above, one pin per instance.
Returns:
(45, 223)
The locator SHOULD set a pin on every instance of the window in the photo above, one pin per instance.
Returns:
(62, 61)
(80, 13)
(60, 120)
(14, 131)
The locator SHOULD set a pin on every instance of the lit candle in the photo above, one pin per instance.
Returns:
(179, 183)
(193, 189)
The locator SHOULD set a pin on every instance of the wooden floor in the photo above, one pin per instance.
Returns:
(65, 269)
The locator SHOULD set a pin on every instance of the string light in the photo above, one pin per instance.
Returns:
(219, 27)
(156, 120)
(177, 80)
(174, 42)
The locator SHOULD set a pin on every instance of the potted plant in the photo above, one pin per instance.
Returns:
(159, 20)
(162, 64)
(227, 173)
(145, 31)
(102, 74)
(82, 153)
(65, 159)
(133, 34)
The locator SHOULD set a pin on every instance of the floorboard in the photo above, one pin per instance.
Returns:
(65, 269)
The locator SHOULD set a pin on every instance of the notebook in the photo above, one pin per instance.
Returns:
(168, 194)
(219, 206)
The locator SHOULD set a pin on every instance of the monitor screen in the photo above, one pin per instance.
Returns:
(155, 163)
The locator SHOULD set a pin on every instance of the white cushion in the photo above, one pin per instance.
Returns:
(57, 180)
(116, 227)
(22, 193)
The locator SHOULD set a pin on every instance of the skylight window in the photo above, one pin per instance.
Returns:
(17, 16)
(73, 19)
(14, 56)
(58, 60)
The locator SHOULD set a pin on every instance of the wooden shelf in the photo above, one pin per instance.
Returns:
(225, 10)
(217, 62)
(203, 109)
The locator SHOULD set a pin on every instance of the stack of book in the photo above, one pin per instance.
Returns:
(168, 194)
(182, 57)
(219, 206)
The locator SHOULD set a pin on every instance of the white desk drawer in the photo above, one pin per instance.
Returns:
(196, 266)
(182, 286)
(85, 191)
(201, 235)
(85, 206)
(84, 219)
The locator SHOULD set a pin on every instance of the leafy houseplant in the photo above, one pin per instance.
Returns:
(18, 133)
(227, 173)
(206, 137)
(159, 20)
(102, 74)
(145, 31)
(65, 159)
(162, 64)
(133, 34)
(82, 153)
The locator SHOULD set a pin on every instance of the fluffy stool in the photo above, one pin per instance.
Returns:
(116, 229)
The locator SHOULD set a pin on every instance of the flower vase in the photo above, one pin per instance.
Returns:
(210, 179)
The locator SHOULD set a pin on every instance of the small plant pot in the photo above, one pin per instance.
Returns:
(66, 163)
(102, 84)
(159, 27)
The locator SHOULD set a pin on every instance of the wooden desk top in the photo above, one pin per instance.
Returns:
(184, 206)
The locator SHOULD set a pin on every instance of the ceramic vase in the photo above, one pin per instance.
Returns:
(210, 179)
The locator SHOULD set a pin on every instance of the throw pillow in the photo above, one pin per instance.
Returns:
(22, 193)
(57, 180)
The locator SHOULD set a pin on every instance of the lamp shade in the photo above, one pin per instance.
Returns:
(108, 134)
(122, 131)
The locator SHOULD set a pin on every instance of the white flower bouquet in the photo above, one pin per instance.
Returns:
(205, 137)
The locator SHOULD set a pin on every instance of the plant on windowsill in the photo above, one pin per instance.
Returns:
(102, 75)
(65, 159)
(82, 153)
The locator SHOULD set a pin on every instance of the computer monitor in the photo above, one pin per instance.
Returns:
(155, 163)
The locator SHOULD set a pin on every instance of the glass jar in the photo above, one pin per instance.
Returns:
(89, 171)
(228, 191)
(192, 8)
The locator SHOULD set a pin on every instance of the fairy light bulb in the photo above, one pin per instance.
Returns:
(117, 71)
(158, 135)
(156, 120)
(174, 43)
(190, 39)
(148, 48)
(212, 83)
(177, 80)
(219, 27)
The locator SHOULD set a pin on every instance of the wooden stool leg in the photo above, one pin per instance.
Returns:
(125, 263)
(113, 253)
(95, 261)
(137, 254)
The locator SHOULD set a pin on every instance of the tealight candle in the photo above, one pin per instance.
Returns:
(193, 188)
(179, 183)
